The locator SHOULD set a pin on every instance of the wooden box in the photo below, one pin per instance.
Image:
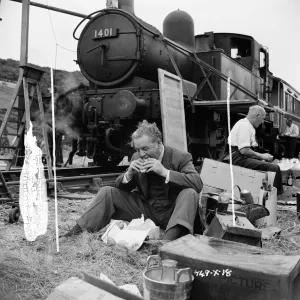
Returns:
(217, 174)
(226, 270)
(222, 227)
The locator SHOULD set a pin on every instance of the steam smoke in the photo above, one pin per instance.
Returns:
(67, 110)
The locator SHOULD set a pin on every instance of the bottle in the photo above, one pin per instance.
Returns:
(264, 184)
(168, 270)
(290, 180)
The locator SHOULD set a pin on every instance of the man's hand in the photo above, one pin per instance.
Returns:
(155, 165)
(287, 134)
(266, 157)
(135, 166)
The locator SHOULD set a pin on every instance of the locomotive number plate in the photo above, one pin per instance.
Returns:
(104, 33)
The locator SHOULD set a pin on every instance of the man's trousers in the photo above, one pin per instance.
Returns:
(255, 164)
(113, 203)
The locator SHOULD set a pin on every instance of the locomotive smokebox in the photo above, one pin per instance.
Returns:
(127, 5)
(115, 46)
(178, 26)
(123, 105)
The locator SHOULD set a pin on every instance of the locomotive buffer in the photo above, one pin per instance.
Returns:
(27, 86)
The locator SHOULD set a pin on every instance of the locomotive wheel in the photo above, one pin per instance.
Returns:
(14, 215)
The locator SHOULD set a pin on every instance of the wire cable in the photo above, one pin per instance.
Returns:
(230, 152)
(53, 135)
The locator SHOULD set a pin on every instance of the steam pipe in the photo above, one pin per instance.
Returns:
(108, 143)
(81, 85)
(60, 10)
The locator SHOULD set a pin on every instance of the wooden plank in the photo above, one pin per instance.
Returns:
(45, 135)
(172, 110)
(27, 104)
(260, 277)
(24, 32)
(91, 288)
(11, 104)
(6, 157)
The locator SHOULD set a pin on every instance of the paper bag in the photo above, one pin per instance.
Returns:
(269, 200)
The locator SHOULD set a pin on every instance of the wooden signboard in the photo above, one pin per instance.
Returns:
(172, 110)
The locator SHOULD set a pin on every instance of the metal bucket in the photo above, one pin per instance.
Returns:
(156, 289)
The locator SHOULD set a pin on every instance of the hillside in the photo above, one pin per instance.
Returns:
(63, 80)
(9, 73)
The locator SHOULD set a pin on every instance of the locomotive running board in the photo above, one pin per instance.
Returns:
(235, 104)
(223, 102)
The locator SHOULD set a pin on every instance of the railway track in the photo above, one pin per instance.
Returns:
(68, 180)
(82, 178)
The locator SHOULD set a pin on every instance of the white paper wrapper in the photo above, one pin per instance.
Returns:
(288, 164)
(33, 190)
(133, 236)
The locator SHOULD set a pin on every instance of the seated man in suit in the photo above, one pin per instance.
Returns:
(245, 152)
(161, 183)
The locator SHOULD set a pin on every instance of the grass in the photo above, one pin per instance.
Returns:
(29, 273)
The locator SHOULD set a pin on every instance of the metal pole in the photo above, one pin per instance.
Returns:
(64, 11)
(24, 33)
(298, 205)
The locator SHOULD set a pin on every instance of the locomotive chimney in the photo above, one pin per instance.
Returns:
(127, 5)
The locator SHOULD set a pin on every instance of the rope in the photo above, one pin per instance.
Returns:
(54, 161)
(53, 135)
(230, 152)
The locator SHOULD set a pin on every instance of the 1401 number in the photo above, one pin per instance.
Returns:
(102, 33)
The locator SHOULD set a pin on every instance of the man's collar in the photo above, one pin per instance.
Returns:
(249, 122)
(162, 153)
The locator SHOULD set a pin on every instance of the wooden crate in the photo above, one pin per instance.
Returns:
(243, 232)
(226, 270)
(217, 174)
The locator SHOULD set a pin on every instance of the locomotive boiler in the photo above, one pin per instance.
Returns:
(119, 55)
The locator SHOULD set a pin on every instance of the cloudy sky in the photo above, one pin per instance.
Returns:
(273, 23)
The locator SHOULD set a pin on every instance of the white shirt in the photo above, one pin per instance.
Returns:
(160, 159)
(242, 135)
(292, 131)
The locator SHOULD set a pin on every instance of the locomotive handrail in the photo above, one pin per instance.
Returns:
(86, 17)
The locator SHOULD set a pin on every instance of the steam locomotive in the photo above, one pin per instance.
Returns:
(119, 54)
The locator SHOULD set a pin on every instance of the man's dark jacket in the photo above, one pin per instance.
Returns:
(182, 175)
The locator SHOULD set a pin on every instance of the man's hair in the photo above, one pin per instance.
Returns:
(150, 129)
(256, 109)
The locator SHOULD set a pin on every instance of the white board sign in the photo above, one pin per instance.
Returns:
(172, 110)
